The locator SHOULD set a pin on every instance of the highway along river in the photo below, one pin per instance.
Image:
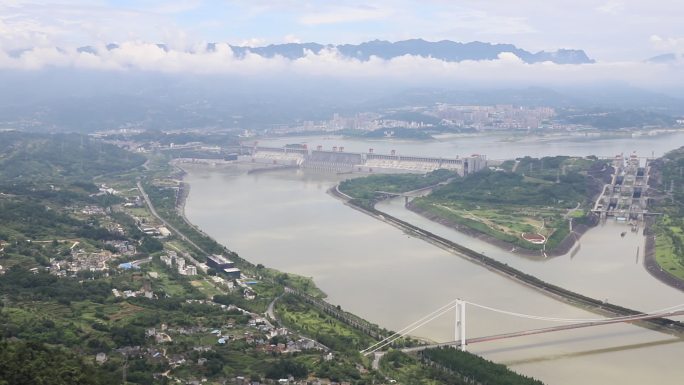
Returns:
(286, 220)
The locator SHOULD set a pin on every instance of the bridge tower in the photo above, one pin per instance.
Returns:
(459, 324)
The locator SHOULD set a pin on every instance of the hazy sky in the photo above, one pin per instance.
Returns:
(609, 30)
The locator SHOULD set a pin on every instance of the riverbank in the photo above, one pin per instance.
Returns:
(293, 284)
(590, 304)
(651, 264)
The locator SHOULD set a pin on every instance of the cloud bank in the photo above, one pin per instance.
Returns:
(508, 69)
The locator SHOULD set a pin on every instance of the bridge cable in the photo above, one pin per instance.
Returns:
(441, 310)
(425, 320)
(406, 332)
(570, 320)
(449, 306)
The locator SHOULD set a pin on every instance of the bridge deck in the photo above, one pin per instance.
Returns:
(544, 330)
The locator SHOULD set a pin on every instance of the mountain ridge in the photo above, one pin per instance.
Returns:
(446, 50)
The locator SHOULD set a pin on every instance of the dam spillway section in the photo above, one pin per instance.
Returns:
(339, 161)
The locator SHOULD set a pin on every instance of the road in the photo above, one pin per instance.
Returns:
(141, 261)
(182, 236)
(377, 356)
(570, 211)
(270, 312)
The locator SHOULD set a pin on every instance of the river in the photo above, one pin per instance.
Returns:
(286, 220)
(499, 146)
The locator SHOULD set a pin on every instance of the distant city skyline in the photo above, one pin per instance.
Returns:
(609, 30)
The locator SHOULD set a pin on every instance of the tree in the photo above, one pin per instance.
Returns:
(32, 363)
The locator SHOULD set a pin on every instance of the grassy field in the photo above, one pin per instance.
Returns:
(535, 198)
(167, 283)
(206, 287)
(667, 234)
(507, 220)
(666, 257)
(121, 311)
(505, 223)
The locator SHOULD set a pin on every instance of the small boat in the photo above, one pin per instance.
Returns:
(622, 234)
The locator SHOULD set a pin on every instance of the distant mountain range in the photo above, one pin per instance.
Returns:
(665, 58)
(446, 50)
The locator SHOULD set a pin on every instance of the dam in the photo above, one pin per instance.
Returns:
(625, 197)
(339, 161)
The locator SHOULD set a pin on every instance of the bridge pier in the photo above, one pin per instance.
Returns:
(459, 324)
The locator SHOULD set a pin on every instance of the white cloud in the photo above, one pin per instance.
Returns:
(611, 7)
(253, 42)
(78, 22)
(485, 23)
(509, 57)
(21, 33)
(508, 69)
(176, 6)
(291, 39)
(668, 44)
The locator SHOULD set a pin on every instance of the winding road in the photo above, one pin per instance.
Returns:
(149, 204)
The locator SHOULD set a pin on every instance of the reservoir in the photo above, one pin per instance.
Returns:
(286, 220)
(500, 146)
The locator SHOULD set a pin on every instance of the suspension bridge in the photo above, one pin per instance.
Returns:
(460, 340)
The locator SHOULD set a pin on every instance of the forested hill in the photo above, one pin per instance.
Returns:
(49, 158)
(515, 189)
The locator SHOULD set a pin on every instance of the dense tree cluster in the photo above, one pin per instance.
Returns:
(49, 158)
(21, 284)
(166, 138)
(475, 368)
(494, 187)
(286, 367)
(27, 363)
(365, 189)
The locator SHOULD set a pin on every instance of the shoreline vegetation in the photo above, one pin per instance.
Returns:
(307, 311)
(652, 265)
